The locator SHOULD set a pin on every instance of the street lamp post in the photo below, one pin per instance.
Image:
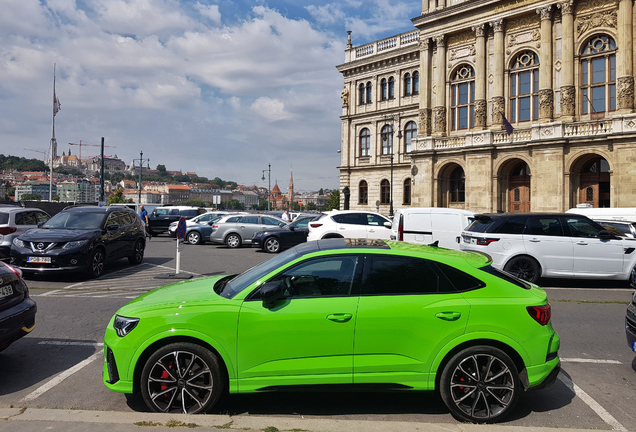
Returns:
(141, 168)
(269, 184)
(390, 119)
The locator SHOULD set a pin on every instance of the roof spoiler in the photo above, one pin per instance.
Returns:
(483, 218)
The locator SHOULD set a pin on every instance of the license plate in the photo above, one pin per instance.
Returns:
(6, 291)
(633, 345)
(39, 260)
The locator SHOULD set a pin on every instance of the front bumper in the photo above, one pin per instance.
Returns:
(17, 322)
(5, 252)
(71, 260)
(256, 242)
(630, 326)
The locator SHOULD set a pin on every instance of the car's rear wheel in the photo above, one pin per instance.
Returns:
(233, 240)
(480, 384)
(525, 268)
(138, 253)
(632, 278)
(272, 245)
(182, 378)
(96, 263)
(193, 237)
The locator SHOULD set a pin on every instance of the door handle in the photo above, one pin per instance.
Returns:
(534, 240)
(448, 316)
(581, 243)
(339, 317)
(341, 228)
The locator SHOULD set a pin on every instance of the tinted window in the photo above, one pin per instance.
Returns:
(232, 219)
(269, 221)
(26, 218)
(513, 225)
(4, 218)
(375, 220)
(402, 275)
(350, 218)
(162, 212)
(506, 276)
(41, 216)
(249, 220)
(583, 227)
(301, 223)
(75, 220)
(544, 225)
(189, 213)
(174, 212)
(460, 280)
(482, 225)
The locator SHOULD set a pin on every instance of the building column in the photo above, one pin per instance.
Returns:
(480, 77)
(568, 90)
(546, 92)
(624, 59)
(440, 83)
(424, 127)
(498, 101)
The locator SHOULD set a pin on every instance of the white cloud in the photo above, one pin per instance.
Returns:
(209, 11)
(270, 109)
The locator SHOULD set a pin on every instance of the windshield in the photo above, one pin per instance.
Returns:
(75, 220)
(247, 278)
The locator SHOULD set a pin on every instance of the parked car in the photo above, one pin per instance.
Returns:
(427, 225)
(630, 323)
(350, 224)
(200, 219)
(236, 230)
(199, 233)
(625, 228)
(14, 221)
(82, 238)
(606, 213)
(365, 313)
(17, 309)
(558, 245)
(276, 239)
(160, 219)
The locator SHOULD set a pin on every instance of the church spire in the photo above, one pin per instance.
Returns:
(290, 194)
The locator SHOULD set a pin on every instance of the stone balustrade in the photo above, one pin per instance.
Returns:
(384, 45)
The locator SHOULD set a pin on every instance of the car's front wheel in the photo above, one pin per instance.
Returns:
(193, 237)
(138, 253)
(272, 245)
(233, 240)
(96, 263)
(181, 378)
(525, 268)
(632, 277)
(480, 384)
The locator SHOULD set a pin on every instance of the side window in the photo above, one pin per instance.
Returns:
(113, 218)
(189, 213)
(206, 218)
(249, 219)
(391, 275)
(26, 218)
(174, 212)
(130, 218)
(302, 223)
(513, 225)
(232, 219)
(162, 212)
(42, 217)
(350, 218)
(329, 276)
(269, 221)
(375, 220)
(544, 225)
(460, 280)
(583, 227)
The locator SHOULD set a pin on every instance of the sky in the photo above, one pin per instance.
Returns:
(220, 88)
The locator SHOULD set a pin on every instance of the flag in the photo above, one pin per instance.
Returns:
(56, 104)
(507, 125)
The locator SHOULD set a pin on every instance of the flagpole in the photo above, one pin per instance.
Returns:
(52, 141)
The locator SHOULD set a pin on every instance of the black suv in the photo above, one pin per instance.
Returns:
(81, 239)
(17, 309)
(160, 219)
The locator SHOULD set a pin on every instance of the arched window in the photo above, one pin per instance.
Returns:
(416, 83)
(407, 84)
(391, 88)
(361, 94)
(383, 89)
(463, 98)
(598, 76)
(407, 192)
(385, 192)
(363, 193)
(410, 132)
(365, 142)
(386, 135)
(457, 185)
(524, 88)
(369, 92)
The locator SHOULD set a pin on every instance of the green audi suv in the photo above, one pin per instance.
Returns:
(376, 314)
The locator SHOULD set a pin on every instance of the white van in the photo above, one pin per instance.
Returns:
(607, 213)
(427, 225)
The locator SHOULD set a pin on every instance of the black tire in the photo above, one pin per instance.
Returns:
(525, 268)
(480, 384)
(233, 240)
(193, 238)
(632, 278)
(138, 253)
(95, 266)
(182, 378)
(271, 245)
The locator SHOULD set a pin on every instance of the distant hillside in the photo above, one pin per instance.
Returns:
(21, 164)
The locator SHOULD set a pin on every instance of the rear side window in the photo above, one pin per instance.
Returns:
(375, 220)
(544, 225)
(26, 218)
(4, 218)
(232, 219)
(460, 280)
(513, 225)
(349, 218)
(189, 213)
(482, 225)
(506, 276)
(174, 212)
(269, 221)
(249, 219)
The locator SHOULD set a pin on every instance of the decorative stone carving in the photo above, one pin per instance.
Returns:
(497, 25)
(522, 22)
(590, 5)
(498, 108)
(546, 103)
(600, 19)
(625, 92)
(558, 65)
(491, 79)
(425, 122)
(344, 94)
(630, 125)
(525, 37)
(480, 30)
(425, 44)
(567, 7)
(568, 100)
(440, 40)
(480, 113)
(440, 119)
(545, 12)
(460, 38)
(462, 52)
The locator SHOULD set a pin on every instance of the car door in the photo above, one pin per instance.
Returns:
(297, 232)
(351, 225)
(306, 338)
(406, 313)
(114, 238)
(544, 238)
(160, 219)
(247, 226)
(593, 256)
(376, 228)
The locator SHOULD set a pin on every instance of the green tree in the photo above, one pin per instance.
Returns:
(321, 191)
(162, 170)
(116, 198)
(56, 197)
(116, 178)
(30, 197)
(295, 206)
(11, 191)
(333, 203)
(311, 206)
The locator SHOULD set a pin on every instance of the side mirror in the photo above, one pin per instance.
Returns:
(282, 224)
(272, 291)
(291, 228)
(388, 224)
(112, 227)
(40, 224)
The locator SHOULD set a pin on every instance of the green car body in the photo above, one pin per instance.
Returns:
(400, 340)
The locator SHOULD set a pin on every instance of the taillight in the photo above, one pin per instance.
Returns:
(486, 241)
(214, 226)
(315, 225)
(7, 230)
(540, 314)
(17, 272)
(401, 228)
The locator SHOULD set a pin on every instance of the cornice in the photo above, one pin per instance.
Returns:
(378, 58)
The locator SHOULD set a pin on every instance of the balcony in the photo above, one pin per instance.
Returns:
(382, 46)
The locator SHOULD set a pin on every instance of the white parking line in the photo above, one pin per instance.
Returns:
(590, 289)
(61, 377)
(595, 406)
(70, 343)
(584, 360)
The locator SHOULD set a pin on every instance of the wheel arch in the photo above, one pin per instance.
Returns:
(523, 254)
(229, 234)
(331, 235)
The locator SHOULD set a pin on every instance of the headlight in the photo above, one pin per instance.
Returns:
(19, 243)
(124, 325)
(74, 244)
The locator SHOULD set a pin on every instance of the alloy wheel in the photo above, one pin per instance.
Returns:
(272, 245)
(194, 238)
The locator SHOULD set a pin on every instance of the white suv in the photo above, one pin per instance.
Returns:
(350, 224)
(558, 245)
(14, 221)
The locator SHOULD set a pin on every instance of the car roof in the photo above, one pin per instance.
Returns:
(97, 209)
(10, 208)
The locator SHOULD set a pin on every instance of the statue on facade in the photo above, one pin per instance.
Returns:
(344, 94)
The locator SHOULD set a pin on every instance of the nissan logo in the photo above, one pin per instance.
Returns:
(40, 246)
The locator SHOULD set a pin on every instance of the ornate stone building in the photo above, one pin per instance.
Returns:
(513, 105)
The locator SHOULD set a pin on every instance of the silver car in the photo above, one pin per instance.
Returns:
(235, 230)
(14, 221)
